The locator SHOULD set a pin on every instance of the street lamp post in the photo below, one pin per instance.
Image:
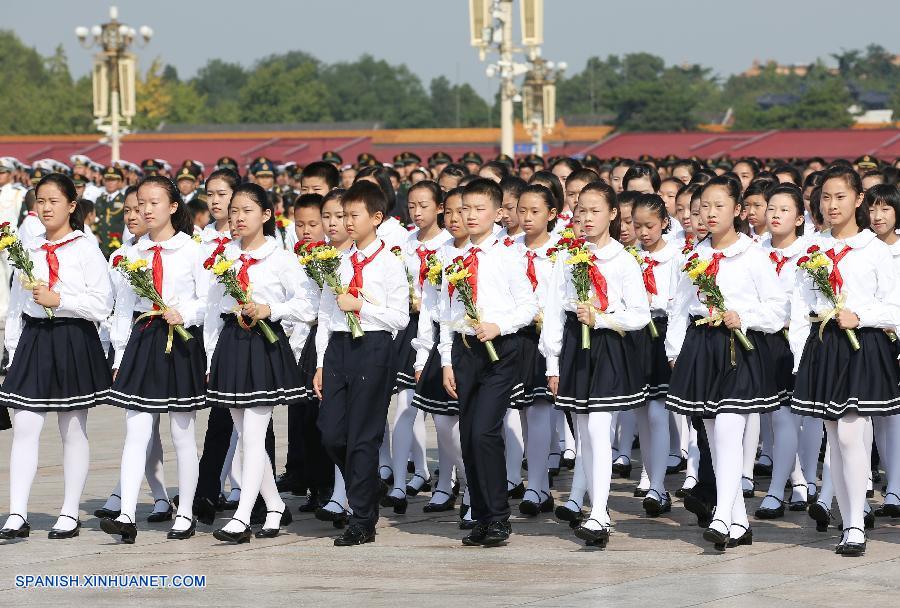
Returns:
(113, 74)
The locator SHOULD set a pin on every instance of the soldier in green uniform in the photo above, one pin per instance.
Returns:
(108, 206)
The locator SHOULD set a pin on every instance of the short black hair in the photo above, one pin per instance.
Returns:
(311, 201)
(370, 194)
(487, 187)
(324, 171)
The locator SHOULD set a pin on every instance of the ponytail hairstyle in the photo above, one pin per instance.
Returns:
(607, 192)
(181, 219)
(793, 191)
(65, 185)
(258, 195)
(437, 195)
(547, 196)
(229, 176)
(548, 179)
(853, 180)
(732, 187)
(656, 205)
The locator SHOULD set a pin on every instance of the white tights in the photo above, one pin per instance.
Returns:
(153, 472)
(725, 433)
(515, 446)
(408, 438)
(623, 436)
(338, 502)
(786, 428)
(23, 462)
(257, 477)
(849, 471)
(750, 443)
(595, 449)
(138, 430)
(891, 457)
(538, 421)
(653, 429)
(449, 456)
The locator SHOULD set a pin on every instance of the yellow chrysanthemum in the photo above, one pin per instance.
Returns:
(698, 269)
(818, 260)
(327, 254)
(434, 274)
(568, 233)
(458, 276)
(221, 267)
(7, 241)
(136, 265)
(581, 257)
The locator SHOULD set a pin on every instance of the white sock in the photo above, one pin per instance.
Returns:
(138, 430)
(596, 444)
(418, 453)
(675, 425)
(726, 432)
(811, 432)
(182, 427)
(766, 438)
(538, 416)
(653, 426)
(892, 458)
(579, 479)
(234, 495)
(384, 453)
(850, 471)
(826, 490)
(76, 460)
(339, 494)
(230, 467)
(449, 456)
(624, 435)
(23, 462)
(153, 469)
(515, 447)
(750, 443)
(879, 428)
(692, 470)
(786, 429)
(402, 440)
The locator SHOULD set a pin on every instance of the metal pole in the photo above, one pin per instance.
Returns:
(114, 127)
(507, 87)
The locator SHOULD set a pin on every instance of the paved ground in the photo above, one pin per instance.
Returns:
(418, 560)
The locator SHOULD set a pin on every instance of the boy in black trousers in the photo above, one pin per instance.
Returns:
(505, 302)
(355, 375)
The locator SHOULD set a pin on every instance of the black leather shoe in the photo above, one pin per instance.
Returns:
(399, 505)
(233, 537)
(286, 519)
(594, 538)
(104, 512)
(718, 539)
(622, 469)
(497, 532)
(798, 505)
(655, 504)
(682, 491)
(768, 513)
(389, 479)
(820, 514)
(848, 549)
(888, 510)
(311, 505)
(700, 508)
(640, 492)
(744, 539)
(288, 482)
(425, 487)
(57, 534)
(447, 505)
(531, 503)
(752, 491)
(113, 527)
(10, 533)
(516, 492)
(760, 469)
(564, 513)
(158, 516)
(677, 468)
(323, 514)
(204, 510)
(229, 505)
(183, 534)
(476, 537)
(355, 535)
(869, 521)
(566, 460)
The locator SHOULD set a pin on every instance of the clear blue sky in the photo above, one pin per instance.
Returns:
(431, 36)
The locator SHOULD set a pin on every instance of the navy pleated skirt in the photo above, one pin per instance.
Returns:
(405, 354)
(533, 367)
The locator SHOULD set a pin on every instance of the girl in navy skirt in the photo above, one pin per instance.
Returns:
(835, 381)
(148, 380)
(537, 209)
(883, 202)
(425, 207)
(783, 244)
(57, 362)
(714, 376)
(430, 395)
(249, 374)
(607, 377)
(659, 261)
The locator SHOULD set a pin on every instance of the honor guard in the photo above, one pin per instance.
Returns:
(108, 207)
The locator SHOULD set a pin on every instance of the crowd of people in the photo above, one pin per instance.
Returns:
(736, 319)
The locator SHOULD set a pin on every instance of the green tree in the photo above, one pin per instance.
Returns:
(456, 105)
(285, 88)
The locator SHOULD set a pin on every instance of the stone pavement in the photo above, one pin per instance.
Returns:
(417, 559)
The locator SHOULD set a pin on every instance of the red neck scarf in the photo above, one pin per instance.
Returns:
(649, 277)
(530, 271)
(835, 278)
(356, 283)
(599, 283)
(157, 271)
(242, 276)
(471, 264)
(53, 261)
(779, 261)
(423, 254)
(713, 269)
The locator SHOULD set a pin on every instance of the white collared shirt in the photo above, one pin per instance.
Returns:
(748, 283)
(276, 279)
(505, 297)
(666, 274)
(392, 232)
(628, 308)
(788, 275)
(385, 296)
(430, 309)
(83, 285)
(31, 228)
(410, 250)
(870, 286)
(676, 231)
(543, 265)
(185, 286)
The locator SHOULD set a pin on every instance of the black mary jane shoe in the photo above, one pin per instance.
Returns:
(529, 507)
(567, 461)
(547, 504)
(820, 514)
(158, 516)
(752, 491)
(399, 505)
(718, 539)
(413, 491)
(848, 549)
(233, 537)
(570, 516)
(770, 513)
(312, 503)
(10, 533)
(655, 504)
(355, 535)
(230, 505)
(640, 492)
(323, 514)
(700, 508)
(465, 524)
(673, 469)
(183, 534)
(286, 519)
(869, 521)
(104, 512)
(126, 530)
(761, 469)
(888, 510)
(389, 479)
(593, 538)
(798, 505)
(744, 539)
(517, 492)
(622, 469)
(682, 491)
(58, 534)
(447, 505)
